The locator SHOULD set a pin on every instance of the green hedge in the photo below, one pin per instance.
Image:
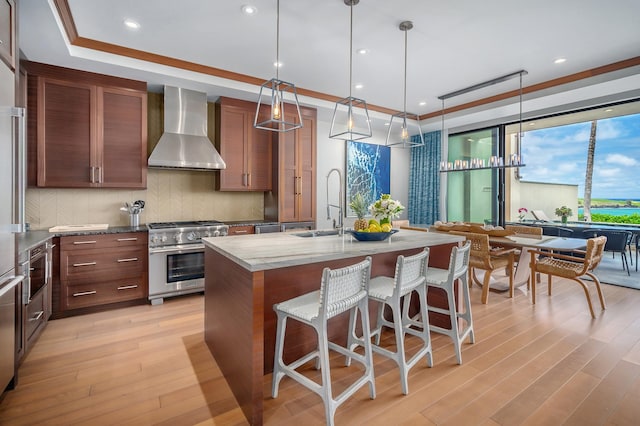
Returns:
(611, 218)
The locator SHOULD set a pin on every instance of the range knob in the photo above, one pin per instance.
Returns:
(207, 234)
(191, 236)
(216, 233)
(163, 238)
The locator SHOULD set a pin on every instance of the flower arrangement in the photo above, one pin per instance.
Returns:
(564, 212)
(522, 211)
(385, 208)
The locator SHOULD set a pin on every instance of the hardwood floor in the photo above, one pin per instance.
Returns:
(547, 364)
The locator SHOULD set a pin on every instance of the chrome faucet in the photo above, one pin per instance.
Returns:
(340, 225)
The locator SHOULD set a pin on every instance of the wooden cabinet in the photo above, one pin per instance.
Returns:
(294, 196)
(101, 269)
(241, 230)
(246, 151)
(8, 32)
(85, 130)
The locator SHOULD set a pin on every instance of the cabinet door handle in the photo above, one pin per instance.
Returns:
(127, 239)
(92, 174)
(244, 179)
(100, 177)
(130, 259)
(84, 293)
(84, 264)
(127, 287)
(83, 242)
(37, 316)
(299, 185)
(295, 185)
(249, 179)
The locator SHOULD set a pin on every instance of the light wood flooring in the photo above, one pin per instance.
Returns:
(548, 364)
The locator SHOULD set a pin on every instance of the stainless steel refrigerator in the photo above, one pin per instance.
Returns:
(11, 190)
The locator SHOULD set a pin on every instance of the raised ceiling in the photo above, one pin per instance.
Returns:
(453, 44)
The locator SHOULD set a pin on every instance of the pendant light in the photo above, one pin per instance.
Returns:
(404, 124)
(277, 92)
(349, 123)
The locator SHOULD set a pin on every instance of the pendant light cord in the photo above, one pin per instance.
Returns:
(277, 39)
(405, 73)
(350, 47)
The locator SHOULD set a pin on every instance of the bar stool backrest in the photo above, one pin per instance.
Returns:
(341, 289)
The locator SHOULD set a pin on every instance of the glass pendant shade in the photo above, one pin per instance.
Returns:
(274, 94)
(277, 95)
(350, 120)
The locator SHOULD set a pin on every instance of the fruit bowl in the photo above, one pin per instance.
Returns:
(372, 236)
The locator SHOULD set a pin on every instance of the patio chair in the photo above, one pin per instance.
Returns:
(540, 216)
(617, 242)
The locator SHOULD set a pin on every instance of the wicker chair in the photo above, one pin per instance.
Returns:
(489, 259)
(571, 267)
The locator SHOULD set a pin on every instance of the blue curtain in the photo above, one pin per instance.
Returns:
(424, 181)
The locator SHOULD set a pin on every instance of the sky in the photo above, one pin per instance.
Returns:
(559, 155)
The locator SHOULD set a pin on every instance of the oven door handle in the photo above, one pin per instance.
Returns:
(177, 250)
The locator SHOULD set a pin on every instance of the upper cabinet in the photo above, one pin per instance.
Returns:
(294, 196)
(85, 130)
(8, 32)
(246, 151)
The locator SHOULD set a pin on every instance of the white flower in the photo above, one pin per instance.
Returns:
(385, 207)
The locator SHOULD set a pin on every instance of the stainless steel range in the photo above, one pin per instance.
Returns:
(176, 256)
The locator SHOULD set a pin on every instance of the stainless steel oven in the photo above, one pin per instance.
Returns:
(35, 264)
(176, 257)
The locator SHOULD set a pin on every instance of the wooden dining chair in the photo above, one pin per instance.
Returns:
(570, 267)
(489, 259)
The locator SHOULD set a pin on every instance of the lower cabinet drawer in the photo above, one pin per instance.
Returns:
(85, 295)
(35, 315)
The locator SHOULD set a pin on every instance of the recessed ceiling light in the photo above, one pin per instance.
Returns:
(247, 9)
(560, 60)
(131, 24)
(532, 124)
(277, 64)
(359, 86)
(608, 110)
(362, 51)
(422, 103)
(386, 124)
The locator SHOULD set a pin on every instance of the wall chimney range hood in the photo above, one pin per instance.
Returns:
(184, 143)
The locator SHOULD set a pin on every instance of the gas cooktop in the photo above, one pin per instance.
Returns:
(184, 224)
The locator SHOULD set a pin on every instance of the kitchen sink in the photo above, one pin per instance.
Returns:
(317, 233)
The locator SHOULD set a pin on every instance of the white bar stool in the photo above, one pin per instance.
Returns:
(445, 279)
(341, 290)
(409, 277)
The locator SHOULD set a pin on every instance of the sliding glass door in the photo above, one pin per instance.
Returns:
(473, 196)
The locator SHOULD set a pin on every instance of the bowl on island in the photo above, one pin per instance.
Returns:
(372, 236)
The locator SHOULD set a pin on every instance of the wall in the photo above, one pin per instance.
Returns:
(541, 196)
(171, 195)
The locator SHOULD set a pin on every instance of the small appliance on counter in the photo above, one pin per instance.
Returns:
(134, 209)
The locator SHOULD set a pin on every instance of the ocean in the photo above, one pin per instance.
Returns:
(620, 211)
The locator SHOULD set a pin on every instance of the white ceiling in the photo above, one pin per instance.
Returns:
(454, 44)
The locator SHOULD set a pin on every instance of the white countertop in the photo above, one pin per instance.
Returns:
(259, 252)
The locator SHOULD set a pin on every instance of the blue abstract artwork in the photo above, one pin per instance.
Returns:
(368, 171)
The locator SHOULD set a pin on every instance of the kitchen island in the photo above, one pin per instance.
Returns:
(246, 275)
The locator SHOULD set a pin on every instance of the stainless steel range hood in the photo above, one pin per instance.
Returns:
(184, 143)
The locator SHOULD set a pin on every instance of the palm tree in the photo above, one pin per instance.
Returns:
(589, 173)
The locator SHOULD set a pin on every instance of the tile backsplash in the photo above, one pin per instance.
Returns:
(171, 195)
